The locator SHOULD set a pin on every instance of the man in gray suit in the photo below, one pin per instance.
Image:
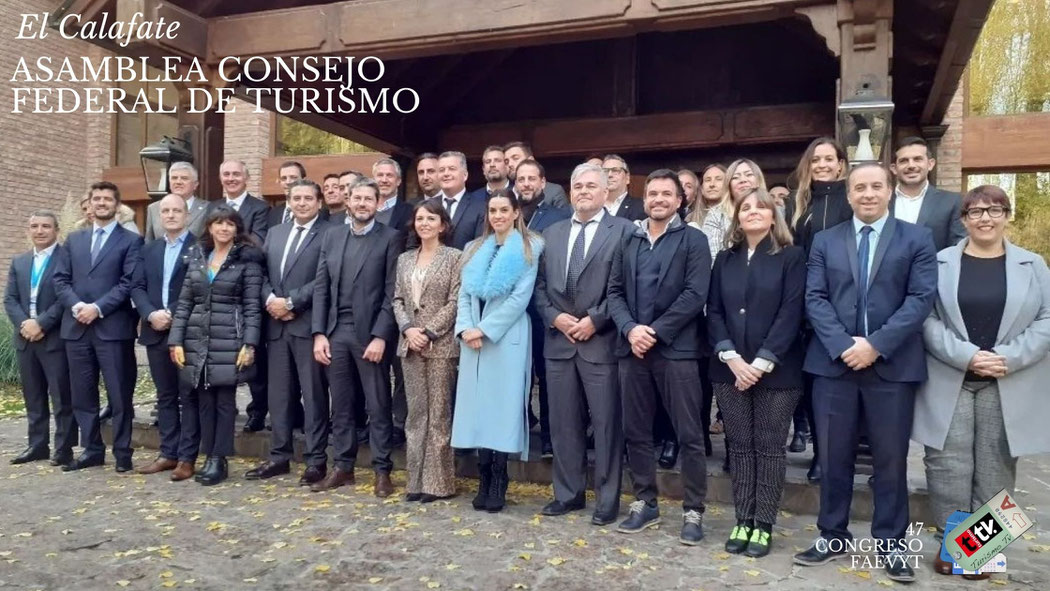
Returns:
(917, 201)
(580, 347)
(292, 250)
(183, 179)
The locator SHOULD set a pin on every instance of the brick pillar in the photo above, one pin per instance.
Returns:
(247, 138)
(949, 152)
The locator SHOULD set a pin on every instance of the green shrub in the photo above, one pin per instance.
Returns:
(8, 358)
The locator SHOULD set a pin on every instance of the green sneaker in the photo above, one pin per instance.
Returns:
(738, 538)
(758, 546)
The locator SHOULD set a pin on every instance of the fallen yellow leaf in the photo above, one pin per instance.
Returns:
(433, 585)
(530, 544)
(451, 566)
(863, 574)
(374, 580)
(626, 551)
(525, 556)
(520, 586)
(169, 584)
(556, 561)
(887, 582)
(580, 542)
(167, 574)
(322, 568)
(123, 583)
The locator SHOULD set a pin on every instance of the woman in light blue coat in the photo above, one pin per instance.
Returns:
(495, 346)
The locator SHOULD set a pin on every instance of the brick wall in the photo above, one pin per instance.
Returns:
(949, 154)
(247, 138)
(43, 157)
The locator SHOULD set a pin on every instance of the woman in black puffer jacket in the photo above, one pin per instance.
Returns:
(215, 330)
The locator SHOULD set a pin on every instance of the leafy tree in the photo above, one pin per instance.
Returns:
(295, 138)
(1010, 67)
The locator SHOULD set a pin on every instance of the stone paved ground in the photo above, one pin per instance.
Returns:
(100, 530)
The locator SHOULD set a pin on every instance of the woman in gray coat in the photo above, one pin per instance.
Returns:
(987, 344)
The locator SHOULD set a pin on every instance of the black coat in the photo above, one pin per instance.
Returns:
(756, 308)
(828, 207)
(214, 319)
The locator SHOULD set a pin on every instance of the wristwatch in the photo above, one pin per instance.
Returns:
(288, 304)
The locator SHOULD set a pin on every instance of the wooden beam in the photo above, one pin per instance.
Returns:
(1006, 143)
(625, 77)
(967, 23)
(664, 131)
(191, 39)
(409, 28)
(866, 45)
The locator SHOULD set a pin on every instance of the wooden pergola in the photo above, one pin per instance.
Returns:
(663, 82)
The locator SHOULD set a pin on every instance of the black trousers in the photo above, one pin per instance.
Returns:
(169, 416)
(295, 376)
(258, 385)
(218, 415)
(841, 405)
(45, 376)
(676, 383)
(540, 369)
(350, 378)
(87, 356)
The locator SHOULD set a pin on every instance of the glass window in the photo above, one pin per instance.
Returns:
(1030, 194)
(136, 130)
(1009, 72)
(295, 138)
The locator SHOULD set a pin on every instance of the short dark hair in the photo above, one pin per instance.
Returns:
(330, 175)
(426, 156)
(625, 167)
(221, 213)
(346, 172)
(664, 173)
(105, 186)
(524, 147)
(307, 183)
(912, 140)
(492, 148)
(435, 207)
(45, 213)
(775, 185)
(863, 165)
(531, 162)
(989, 194)
(291, 163)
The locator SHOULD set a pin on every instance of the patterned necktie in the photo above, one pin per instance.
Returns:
(576, 259)
(232, 204)
(287, 216)
(97, 244)
(862, 290)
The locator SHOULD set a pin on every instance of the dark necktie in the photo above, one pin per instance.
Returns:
(576, 256)
(448, 205)
(294, 248)
(287, 216)
(97, 245)
(862, 290)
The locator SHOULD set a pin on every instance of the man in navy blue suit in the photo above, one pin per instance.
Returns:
(94, 278)
(467, 210)
(867, 308)
(156, 294)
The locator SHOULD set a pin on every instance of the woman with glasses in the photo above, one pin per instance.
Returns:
(987, 343)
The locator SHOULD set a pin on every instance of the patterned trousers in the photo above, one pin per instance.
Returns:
(756, 426)
(975, 463)
(428, 426)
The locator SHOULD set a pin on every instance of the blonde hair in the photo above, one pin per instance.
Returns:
(780, 233)
(804, 175)
(727, 201)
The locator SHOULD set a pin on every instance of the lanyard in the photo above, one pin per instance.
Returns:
(35, 272)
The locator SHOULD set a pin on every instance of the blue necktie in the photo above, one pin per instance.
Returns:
(862, 290)
(97, 245)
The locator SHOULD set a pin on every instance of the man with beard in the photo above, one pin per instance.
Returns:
(183, 180)
(494, 167)
(518, 152)
(427, 176)
(354, 332)
(917, 201)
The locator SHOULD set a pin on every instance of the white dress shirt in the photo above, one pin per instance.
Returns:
(40, 260)
(906, 208)
(456, 199)
(237, 201)
(588, 235)
(615, 207)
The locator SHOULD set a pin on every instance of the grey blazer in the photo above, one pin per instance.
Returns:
(551, 298)
(1023, 339)
(195, 222)
(941, 213)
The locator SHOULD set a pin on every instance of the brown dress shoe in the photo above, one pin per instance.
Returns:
(313, 475)
(383, 487)
(941, 566)
(158, 465)
(183, 471)
(336, 478)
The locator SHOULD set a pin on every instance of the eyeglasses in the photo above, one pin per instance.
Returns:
(615, 169)
(995, 212)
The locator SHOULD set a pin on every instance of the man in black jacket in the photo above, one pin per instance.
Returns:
(657, 290)
(156, 294)
(33, 308)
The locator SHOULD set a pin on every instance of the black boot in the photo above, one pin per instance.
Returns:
(669, 455)
(481, 500)
(219, 471)
(209, 467)
(500, 481)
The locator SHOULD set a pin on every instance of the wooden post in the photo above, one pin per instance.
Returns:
(866, 47)
(205, 131)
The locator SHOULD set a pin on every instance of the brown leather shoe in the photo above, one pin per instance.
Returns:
(336, 478)
(941, 566)
(313, 475)
(159, 465)
(183, 471)
(383, 487)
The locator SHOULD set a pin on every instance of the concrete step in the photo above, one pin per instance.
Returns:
(800, 496)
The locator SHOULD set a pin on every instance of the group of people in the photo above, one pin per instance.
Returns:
(867, 299)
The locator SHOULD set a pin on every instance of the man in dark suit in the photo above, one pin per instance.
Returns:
(93, 278)
(580, 347)
(657, 290)
(292, 251)
(518, 152)
(354, 333)
(539, 213)
(619, 203)
(346, 180)
(917, 201)
(867, 308)
(288, 173)
(33, 308)
(156, 294)
(334, 203)
(427, 177)
(255, 213)
(467, 212)
(182, 177)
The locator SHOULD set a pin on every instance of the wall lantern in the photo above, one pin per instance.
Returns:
(157, 160)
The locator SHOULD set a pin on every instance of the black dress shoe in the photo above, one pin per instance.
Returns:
(267, 470)
(255, 423)
(604, 517)
(31, 454)
(819, 553)
(105, 413)
(547, 450)
(815, 472)
(84, 462)
(425, 498)
(798, 443)
(313, 475)
(556, 507)
(898, 569)
(124, 465)
(669, 455)
(216, 470)
(61, 458)
(413, 497)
